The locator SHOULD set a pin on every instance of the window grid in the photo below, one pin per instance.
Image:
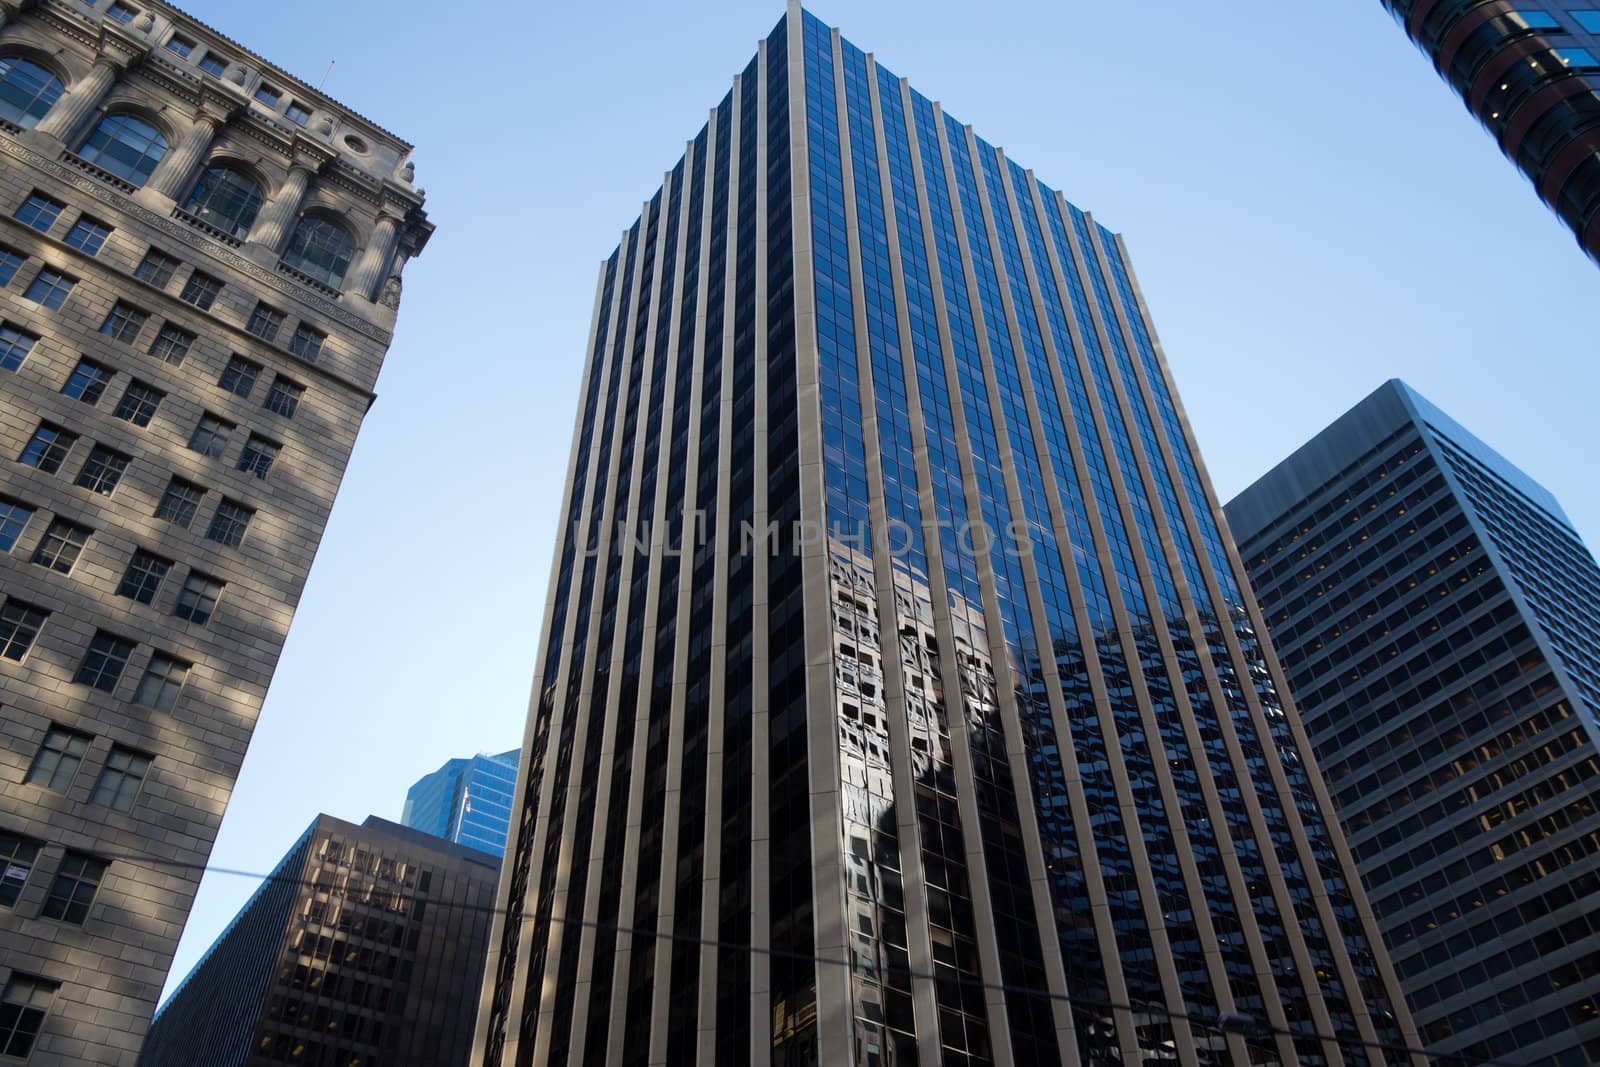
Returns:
(72, 893)
(197, 600)
(17, 855)
(121, 12)
(60, 755)
(321, 248)
(307, 343)
(23, 1006)
(120, 779)
(139, 402)
(88, 235)
(171, 344)
(14, 346)
(162, 682)
(14, 516)
(201, 290)
(258, 456)
(228, 525)
(124, 146)
(264, 322)
(212, 65)
(87, 382)
(102, 470)
(157, 268)
(142, 580)
(284, 397)
(104, 663)
(210, 437)
(40, 212)
(61, 545)
(124, 322)
(47, 447)
(10, 260)
(49, 288)
(27, 91)
(20, 624)
(180, 46)
(297, 113)
(239, 376)
(179, 502)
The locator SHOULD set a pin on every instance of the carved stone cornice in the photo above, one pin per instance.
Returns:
(120, 47)
(194, 239)
(307, 154)
(218, 105)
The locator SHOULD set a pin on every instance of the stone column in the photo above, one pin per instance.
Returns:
(84, 96)
(278, 215)
(172, 174)
(368, 270)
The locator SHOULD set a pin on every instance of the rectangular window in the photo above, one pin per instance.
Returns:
(102, 470)
(210, 437)
(200, 290)
(258, 456)
(47, 447)
(171, 343)
(143, 577)
(17, 855)
(14, 346)
(229, 523)
(40, 212)
(1589, 19)
(162, 682)
(58, 759)
(121, 12)
(212, 64)
(197, 600)
(139, 402)
(1577, 59)
(180, 501)
(23, 1006)
(103, 664)
(1534, 19)
(239, 376)
(87, 382)
(19, 625)
(268, 95)
(61, 545)
(157, 268)
(124, 322)
(49, 288)
(72, 892)
(10, 260)
(298, 113)
(14, 516)
(264, 322)
(284, 397)
(307, 343)
(180, 45)
(120, 779)
(87, 235)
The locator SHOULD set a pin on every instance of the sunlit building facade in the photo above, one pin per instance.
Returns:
(1439, 620)
(467, 801)
(900, 699)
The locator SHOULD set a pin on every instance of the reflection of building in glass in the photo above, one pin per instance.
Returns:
(1439, 620)
(365, 946)
(1530, 72)
(200, 261)
(985, 750)
(466, 800)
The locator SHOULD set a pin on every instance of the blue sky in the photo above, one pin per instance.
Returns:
(1309, 209)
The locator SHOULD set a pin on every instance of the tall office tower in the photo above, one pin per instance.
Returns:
(467, 801)
(364, 948)
(817, 770)
(199, 266)
(1530, 71)
(1439, 620)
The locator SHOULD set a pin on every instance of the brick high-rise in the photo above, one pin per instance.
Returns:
(200, 262)
(975, 799)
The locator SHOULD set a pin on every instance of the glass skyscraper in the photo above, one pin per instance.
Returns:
(900, 699)
(467, 801)
(1439, 619)
(1529, 70)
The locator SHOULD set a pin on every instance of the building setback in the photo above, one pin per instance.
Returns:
(364, 948)
(467, 801)
(200, 262)
(933, 800)
(1439, 620)
(1529, 70)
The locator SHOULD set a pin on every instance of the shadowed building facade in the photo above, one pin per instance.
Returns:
(467, 801)
(364, 948)
(818, 771)
(1437, 616)
(1529, 70)
(199, 270)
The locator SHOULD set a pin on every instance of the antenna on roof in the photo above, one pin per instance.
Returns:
(325, 74)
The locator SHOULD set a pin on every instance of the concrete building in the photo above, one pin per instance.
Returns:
(1529, 70)
(467, 801)
(364, 948)
(901, 699)
(200, 261)
(1439, 619)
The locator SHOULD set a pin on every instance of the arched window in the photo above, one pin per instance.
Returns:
(320, 248)
(225, 198)
(125, 146)
(27, 91)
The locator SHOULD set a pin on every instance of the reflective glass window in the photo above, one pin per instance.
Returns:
(126, 147)
(227, 199)
(321, 248)
(27, 91)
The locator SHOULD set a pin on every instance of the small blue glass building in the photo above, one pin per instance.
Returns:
(467, 801)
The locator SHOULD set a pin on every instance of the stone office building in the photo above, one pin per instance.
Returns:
(200, 261)
(877, 785)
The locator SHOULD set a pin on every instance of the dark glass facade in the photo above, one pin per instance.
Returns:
(364, 948)
(1529, 70)
(900, 699)
(1439, 620)
(467, 801)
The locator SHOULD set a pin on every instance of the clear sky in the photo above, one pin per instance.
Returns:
(1310, 211)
